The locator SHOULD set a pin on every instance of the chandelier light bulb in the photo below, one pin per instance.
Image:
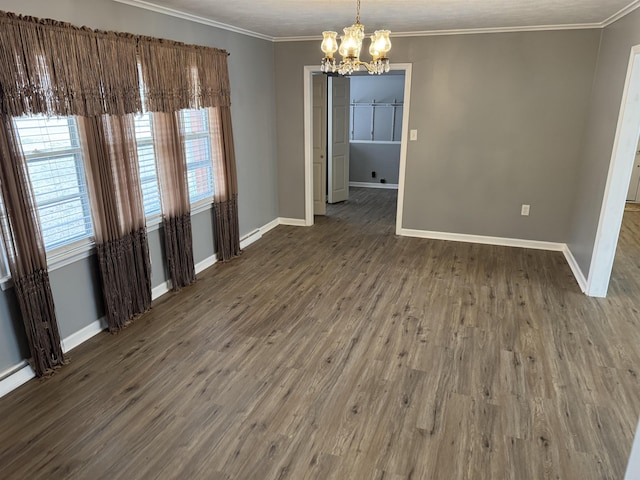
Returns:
(329, 43)
(382, 42)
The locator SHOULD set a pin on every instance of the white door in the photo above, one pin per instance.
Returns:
(634, 186)
(338, 141)
(320, 144)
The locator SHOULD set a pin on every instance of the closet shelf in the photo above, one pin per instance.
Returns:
(384, 142)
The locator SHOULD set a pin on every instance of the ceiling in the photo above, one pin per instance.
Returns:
(281, 19)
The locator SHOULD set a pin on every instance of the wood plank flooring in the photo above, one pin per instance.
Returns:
(341, 351)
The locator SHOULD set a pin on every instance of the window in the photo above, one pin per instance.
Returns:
(54, 159)
(147, 162)
(197, 147)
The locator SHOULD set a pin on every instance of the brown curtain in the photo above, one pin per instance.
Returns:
(177, 76)
(118, 215)
(58, 69)
(226, 183)
(168, 133)
(26, 252)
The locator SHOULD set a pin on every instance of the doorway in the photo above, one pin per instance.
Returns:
(618, 181)
(311, 166)
(357, 132)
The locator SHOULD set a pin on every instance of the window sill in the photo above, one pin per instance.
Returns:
(201, 206)
(154, 222)
(60, 258)
(84, 249)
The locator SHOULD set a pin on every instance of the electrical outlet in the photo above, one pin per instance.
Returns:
(413, 135)
(373, 174)
(525, 210)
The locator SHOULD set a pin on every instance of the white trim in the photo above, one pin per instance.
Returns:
(421, 33)
(386, 186)
(153, 222)
(633, 467)
(165, 287)
(13, 369)
(6, 283)
(464, 31)
(485, 240)
(20, 374)
(249, 238)
(575, 268)
(622, 13)
(84, 334)
(505, 242)
(270, 226)
(257, 234)
(161, 289)
(294, 222)
(193, 18)
(201, 206)
(620, 168)
(308, 72)
(404, 145)
(70, 256)
(206, 263)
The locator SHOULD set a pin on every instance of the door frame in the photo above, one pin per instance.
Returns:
(309, 70)
(618, 178)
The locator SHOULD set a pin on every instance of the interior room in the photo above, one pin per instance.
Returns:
(205, 275)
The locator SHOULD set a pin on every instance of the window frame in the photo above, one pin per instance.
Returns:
(84, 247)
(77, 152)
(206, 135)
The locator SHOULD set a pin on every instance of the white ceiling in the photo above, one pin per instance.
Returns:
(279, 19)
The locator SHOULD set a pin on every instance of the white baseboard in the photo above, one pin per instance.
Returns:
(160, 290)
(20, 374)
(15, 377)
(461, 237)
(206, 263)
(84, 334)
(165, 287)
(575, 268)
(250, 238)
(257, 234)
(270, 226)
(247, 240)
(387, 186)
(294, 222)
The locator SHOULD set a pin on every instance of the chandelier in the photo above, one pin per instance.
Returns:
(350, 46)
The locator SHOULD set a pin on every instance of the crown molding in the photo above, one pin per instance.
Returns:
(625, 11)
(193, 18)
(424, 33)
(464, 31)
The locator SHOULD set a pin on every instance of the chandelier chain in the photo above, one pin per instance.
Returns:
(358, 13)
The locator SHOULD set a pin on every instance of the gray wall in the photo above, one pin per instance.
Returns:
(365, 158)
(617, 41)
(500, 120)
(75, 287)
(384, 159)
(383, 88)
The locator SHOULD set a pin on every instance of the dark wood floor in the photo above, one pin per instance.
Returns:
(342, 351)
